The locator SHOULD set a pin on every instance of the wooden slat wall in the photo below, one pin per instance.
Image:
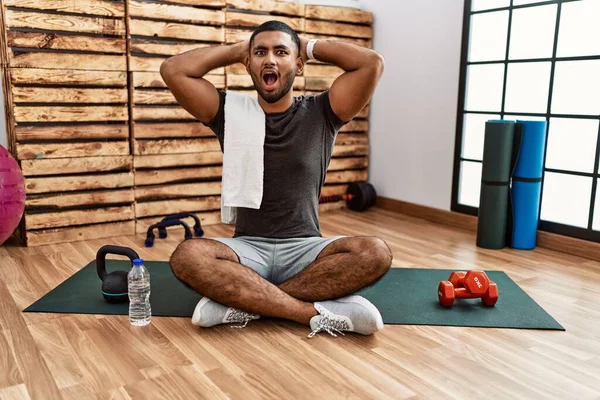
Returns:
(66, 79)
(351, 152)
(177, 159)
(104, 146)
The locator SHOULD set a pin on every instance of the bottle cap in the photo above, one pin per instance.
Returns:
(137, 262)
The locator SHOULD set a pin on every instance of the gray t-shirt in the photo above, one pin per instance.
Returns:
(298, 147)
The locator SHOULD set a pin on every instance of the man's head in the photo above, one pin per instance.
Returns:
(274, 59)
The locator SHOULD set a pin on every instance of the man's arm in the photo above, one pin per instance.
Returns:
(363, 67)
(184, 73)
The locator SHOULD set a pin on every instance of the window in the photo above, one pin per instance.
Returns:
(526, 59)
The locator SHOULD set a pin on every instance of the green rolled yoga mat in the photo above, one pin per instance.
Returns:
(404, 296)
(500, 149)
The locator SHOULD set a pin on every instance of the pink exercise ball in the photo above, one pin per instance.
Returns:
(12, 195)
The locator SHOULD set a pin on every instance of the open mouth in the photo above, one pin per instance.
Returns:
(270, 79)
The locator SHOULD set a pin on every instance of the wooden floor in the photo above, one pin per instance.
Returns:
(53, 356)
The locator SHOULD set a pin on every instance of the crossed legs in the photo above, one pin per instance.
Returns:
(345, 266)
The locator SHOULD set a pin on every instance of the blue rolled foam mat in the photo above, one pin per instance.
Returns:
(526, 198)
(527, 184)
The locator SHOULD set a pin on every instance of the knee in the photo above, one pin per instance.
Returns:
(180, 256)
(379, 253)
(188, 256)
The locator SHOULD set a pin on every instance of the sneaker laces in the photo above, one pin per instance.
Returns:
(331, 324)
(240, 317)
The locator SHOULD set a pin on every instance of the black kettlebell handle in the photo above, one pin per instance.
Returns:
(110, 249)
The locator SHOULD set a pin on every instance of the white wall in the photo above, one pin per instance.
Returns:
(413, 113)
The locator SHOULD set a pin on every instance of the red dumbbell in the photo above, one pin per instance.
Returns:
(457, 278)
(474, 281)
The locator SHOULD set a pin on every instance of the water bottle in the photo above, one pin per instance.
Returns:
(138, 282)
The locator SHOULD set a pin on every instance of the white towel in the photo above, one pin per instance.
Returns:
(243, 155)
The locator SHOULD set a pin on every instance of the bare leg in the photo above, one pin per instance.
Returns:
(343, 268)
(213, 270)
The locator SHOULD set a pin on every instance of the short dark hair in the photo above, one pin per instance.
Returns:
(276, 26)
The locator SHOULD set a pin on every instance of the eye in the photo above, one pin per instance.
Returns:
(259, 52)
(282, 52)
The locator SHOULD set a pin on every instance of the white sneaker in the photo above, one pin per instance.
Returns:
(210, 313)
(351, 314)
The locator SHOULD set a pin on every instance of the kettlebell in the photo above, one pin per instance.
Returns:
(114, 284)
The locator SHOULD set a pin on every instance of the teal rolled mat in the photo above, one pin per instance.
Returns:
(494, 201)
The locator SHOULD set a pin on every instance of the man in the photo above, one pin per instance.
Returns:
(278, 264)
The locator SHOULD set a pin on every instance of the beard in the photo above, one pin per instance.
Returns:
(285, 84)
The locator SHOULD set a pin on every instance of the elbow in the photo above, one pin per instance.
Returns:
(378, 63)
(374, 63)
(166, 68)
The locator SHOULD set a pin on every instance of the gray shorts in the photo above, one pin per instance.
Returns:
(277, 260)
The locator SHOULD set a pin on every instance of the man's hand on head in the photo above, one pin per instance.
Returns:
(243, 49)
